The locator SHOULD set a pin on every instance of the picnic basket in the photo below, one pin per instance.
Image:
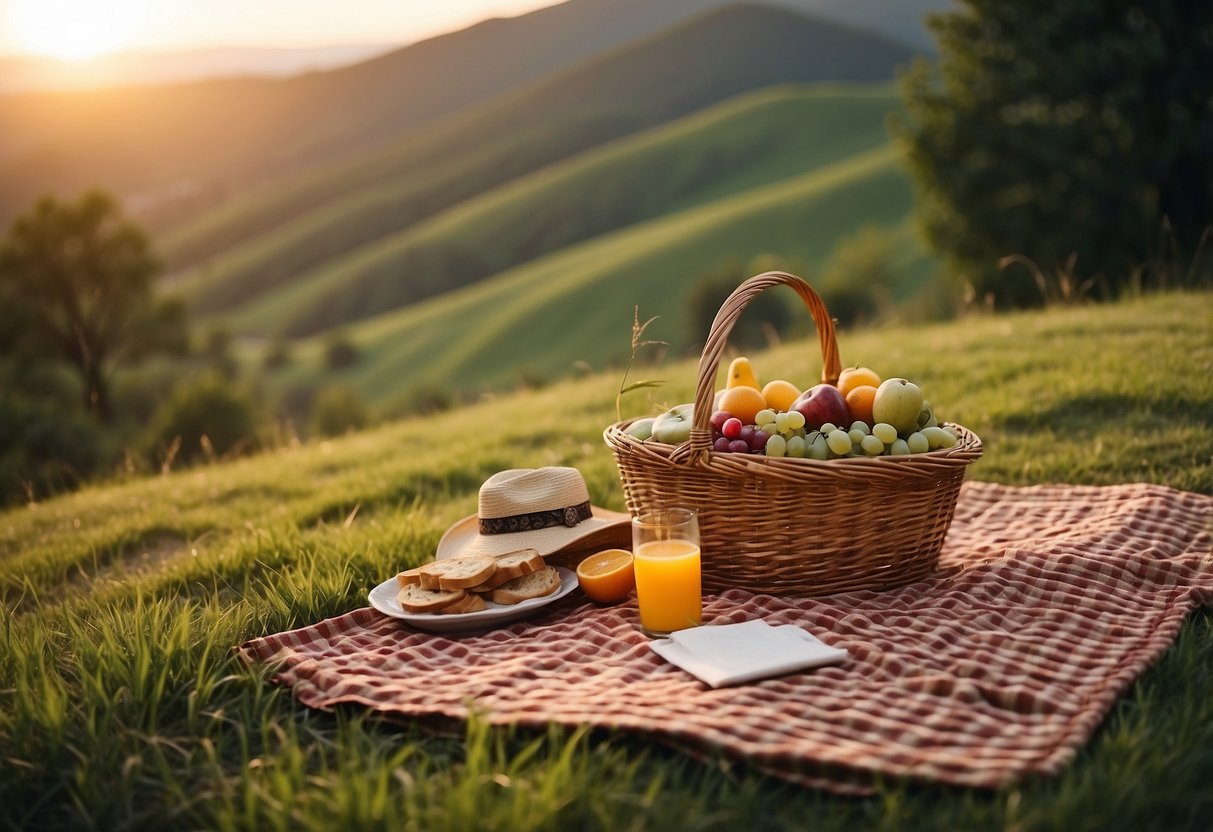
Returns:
(786, 526)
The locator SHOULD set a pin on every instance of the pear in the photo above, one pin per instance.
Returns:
(741, 374)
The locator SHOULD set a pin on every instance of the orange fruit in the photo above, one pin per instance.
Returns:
(859, 401)
(780, 394)
(853, 377)
(607, 577)
(743, 402)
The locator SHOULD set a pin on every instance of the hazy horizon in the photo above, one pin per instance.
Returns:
(276, 41)
(27, 29)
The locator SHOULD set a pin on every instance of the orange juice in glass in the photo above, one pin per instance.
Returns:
(665, 548)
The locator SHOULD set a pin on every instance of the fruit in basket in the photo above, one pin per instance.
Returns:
(926, 417)
(823, 403)
(776, 446)
(898, 402)
(853, 377)
(674, 426)
(917, 443)
(839, 442)
(741, 374)
(780, 394)
(743, 402)
(732, 428)
(641, 429)
(859, 402)
(871, 445)
(885, 432)
(939, 437)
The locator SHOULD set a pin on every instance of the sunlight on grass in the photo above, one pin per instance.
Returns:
(121, 704)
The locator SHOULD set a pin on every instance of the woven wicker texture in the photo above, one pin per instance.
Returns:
(1048, 602)
(796, 526)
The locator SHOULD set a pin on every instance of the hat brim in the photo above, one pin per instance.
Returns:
(608, 528)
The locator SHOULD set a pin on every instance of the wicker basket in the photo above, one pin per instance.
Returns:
(796, 526)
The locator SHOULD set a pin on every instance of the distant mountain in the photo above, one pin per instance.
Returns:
(34, 73)
(284, 231)
(174, 151)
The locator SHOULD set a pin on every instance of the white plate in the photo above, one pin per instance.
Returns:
(383, 598)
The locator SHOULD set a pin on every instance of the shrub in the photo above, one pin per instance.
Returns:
(340, 352)
(277, 354)
(421, 400)
(766, 318)
(46, 448)
(856, 282)
(205, 417)
(338, 409)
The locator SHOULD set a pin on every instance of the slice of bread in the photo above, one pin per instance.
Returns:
(469, 603)
(511, 565)
(458, 573)
(409, 576)
(415, 598)
(534, 585)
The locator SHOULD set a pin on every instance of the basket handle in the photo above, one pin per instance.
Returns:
(730, 311)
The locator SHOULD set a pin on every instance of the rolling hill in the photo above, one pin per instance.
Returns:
(753, 140)
(576, 305)
(174, 151)
(633, 88)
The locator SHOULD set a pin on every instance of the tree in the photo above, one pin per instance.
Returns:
(75, 279)
(1053, 129)
(766, 315)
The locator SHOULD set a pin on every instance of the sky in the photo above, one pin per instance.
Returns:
(79, 29)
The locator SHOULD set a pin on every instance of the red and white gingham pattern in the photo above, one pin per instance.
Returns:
(1049, 602)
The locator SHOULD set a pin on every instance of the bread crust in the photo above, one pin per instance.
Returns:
(534, 585)
(415, 598)
(409, 576)
(457, 573)
(511, 565)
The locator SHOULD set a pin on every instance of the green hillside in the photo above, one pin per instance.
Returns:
(181, 149)
(223, 136)
(636, 87)
(759, 138)
(576, 304)
(122, 705)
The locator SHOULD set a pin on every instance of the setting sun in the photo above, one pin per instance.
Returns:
(76, 29)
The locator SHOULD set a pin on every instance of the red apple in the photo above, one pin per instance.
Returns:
(823, 403)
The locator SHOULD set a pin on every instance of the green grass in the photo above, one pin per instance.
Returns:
(533, 318)
(121, 706)
(287, 279)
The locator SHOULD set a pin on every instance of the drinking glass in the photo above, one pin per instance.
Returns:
(665, 550)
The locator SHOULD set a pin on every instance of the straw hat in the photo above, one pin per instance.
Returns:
(547, 509)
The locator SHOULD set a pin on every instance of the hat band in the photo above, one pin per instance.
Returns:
(569, 516)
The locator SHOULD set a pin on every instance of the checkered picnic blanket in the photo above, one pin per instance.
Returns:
(1049, 602)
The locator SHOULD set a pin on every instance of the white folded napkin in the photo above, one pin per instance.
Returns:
(729, 654)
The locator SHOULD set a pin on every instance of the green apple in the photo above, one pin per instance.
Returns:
(898, 402)
(674, 426)
(641, 429)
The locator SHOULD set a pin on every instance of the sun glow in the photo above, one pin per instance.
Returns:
(76, 29)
